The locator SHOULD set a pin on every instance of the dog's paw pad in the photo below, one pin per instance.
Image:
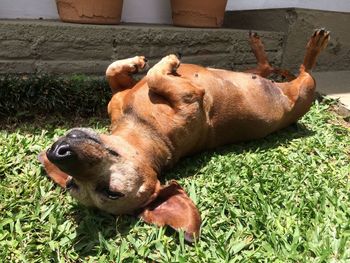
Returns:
(138, 63)
(178, 55)
(171, 62)
(253, 35)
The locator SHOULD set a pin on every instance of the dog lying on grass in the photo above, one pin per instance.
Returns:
(176, 110)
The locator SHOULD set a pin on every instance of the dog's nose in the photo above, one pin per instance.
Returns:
(83, 134)
(59, 152)
(74, 134)
(66, 150)
(63, 151)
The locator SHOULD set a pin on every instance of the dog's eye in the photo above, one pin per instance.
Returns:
(112, 152)
(112, 194)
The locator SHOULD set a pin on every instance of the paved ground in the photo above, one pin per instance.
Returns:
(335, 84)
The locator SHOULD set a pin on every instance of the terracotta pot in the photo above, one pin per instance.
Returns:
(90, 11)
(198, 13)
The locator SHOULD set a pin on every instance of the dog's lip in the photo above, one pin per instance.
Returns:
(41, 157)
(70, 184)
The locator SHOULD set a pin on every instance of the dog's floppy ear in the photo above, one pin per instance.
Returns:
(173, 207)
(52, 170)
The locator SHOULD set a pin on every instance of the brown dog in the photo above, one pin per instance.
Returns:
(175, 111)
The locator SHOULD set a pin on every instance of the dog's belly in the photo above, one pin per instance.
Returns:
(246, 107)
(236, 107)
(239, 106)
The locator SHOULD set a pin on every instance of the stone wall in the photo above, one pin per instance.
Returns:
(55, 47)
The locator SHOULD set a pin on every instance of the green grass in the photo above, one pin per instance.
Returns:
(285, 198)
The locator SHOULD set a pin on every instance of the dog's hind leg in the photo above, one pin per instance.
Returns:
(316, 44)
(119, 72)
(301, 90)
(264, 67)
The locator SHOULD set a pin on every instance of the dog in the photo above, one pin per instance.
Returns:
(176, 110)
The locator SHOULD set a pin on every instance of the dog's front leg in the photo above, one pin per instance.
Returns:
(119, 72)
(164, 81)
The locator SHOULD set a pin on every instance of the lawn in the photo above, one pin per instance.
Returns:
(285, 198)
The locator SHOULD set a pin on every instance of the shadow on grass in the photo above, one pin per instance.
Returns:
(96, 228)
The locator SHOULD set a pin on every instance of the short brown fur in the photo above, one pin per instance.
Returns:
(174, 111)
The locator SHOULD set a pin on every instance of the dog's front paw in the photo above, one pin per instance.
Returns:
(167, 65)
(138, 63)
(128, 65)
(170, 63)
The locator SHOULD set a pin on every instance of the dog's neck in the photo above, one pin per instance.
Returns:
(152, 149)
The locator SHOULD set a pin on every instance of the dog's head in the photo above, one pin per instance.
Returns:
(106, 172)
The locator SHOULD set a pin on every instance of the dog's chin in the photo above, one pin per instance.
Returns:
(129, 204)
(120, 188)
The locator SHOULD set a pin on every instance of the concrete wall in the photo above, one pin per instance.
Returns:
(55, 47)
(298, 24)
(29, 46)
(158, 11)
